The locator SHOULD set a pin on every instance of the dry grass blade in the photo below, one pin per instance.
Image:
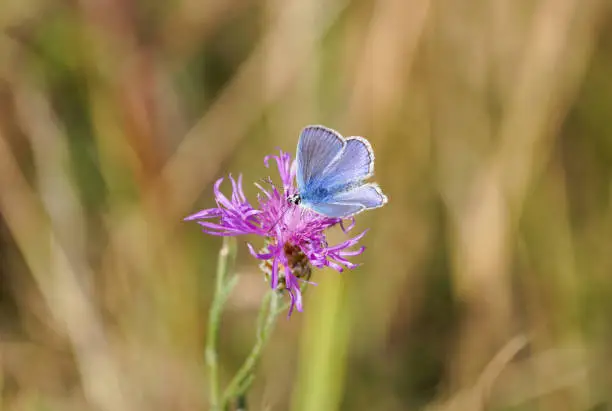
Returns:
(477, 397)
(34, 228)
(487, 202)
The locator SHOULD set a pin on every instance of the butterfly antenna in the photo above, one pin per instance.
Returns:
(280, 218)
(269, 181)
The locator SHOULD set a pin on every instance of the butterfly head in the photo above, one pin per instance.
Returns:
(294, 199)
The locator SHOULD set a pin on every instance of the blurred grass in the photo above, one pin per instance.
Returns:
(493, 141)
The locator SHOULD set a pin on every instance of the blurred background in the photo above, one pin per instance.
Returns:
(487, 281)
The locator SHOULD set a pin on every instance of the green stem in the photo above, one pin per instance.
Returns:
(244, 377)
(270, 309)
(227, 255)
(263, 312)
(241, 403)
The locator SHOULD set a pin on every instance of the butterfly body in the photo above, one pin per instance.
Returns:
(331, 174)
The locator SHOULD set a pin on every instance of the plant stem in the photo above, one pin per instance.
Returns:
(269, 310)
(244, 377)
(227, 255)
(241, 403)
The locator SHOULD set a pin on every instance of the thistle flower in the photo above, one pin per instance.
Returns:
(294, 237)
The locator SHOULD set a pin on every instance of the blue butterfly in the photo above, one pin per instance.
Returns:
(331, 171)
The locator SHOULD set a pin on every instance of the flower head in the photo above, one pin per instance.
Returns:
(295, 239)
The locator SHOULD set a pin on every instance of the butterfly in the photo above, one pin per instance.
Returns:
(331, 174)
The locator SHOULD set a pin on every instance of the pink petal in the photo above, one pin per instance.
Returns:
(352, 253)
(208, 213)
(260, 256)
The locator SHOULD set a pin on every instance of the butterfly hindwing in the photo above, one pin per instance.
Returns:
(366, 195)
(343, 204)
(336, 210)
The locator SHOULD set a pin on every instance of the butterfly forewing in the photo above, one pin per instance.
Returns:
(355, 164)
(318, 146)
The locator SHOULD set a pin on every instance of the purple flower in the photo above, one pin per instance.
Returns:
(294, 237)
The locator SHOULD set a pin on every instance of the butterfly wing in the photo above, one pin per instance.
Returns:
(317, 148)
(346, 203)
(354, 164)
(336, 210)
(367, 196)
